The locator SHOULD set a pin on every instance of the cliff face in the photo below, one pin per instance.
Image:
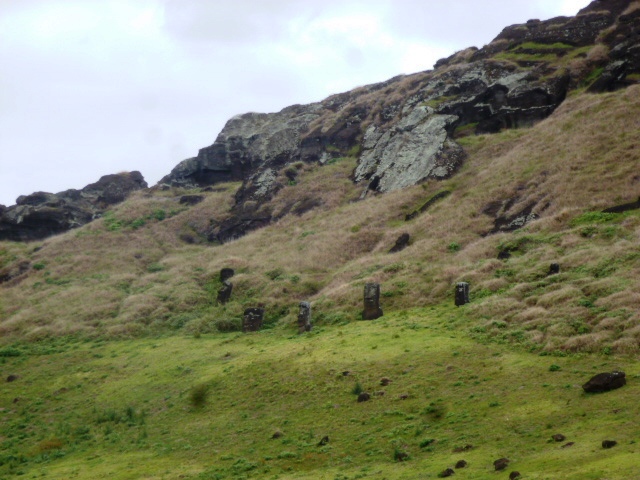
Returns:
(43, 214)
(404, 131)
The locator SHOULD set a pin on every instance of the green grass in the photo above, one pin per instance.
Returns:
(201, 408)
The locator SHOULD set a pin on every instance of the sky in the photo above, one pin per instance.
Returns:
(94, 87)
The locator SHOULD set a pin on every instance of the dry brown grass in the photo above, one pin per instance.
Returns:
(131, 281)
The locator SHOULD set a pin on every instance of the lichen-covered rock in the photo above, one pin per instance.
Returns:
(417, 148)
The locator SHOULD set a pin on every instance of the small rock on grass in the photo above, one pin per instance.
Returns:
(501, 463)
(364, 397)
(609, 443)
(446, 473)
(513, 475)
(461, 464)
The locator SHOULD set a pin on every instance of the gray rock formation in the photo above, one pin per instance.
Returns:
(43, 214)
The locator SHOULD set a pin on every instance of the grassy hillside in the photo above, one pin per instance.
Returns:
(209, 407)
(127, 367)
(133, 273)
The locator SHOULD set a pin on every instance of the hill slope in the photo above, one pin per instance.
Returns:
(120, 363)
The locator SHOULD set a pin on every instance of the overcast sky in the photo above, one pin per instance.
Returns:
(92, 87)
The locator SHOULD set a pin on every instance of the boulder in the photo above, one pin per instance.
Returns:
(604, 382)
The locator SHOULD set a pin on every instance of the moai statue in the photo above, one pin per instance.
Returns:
(226, 274)
(252, 321)
(462, 293)
(554, 268)
(372, 308)
(224, 294)
(304, 317)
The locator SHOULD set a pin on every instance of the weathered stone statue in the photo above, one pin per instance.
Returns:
(252, 321)
(226, 274)
(372, 308)
(462, 293)
(304, 317)
(224, 294)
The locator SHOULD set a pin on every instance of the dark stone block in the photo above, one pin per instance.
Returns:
(372, 308)
(513, 475)
(554, 268)
(323, 441)
(462, 293)
(461, 464)
(253, 318)
(12, 378)
(603, 382)
(558, 437)
(304, 317)
(609, 443)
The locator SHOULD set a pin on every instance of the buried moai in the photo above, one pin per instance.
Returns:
(224, 294)
(462, 293)
(226, 274)
(372, 308)
(252, 321)
(304, 317)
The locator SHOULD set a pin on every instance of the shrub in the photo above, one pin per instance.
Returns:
(39, 266)
(357, 389)
(198, 395)
(453, 247)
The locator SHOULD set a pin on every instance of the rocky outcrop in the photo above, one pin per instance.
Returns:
(43, 214)
(403, 131)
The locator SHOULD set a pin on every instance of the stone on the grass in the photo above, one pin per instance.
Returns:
(364, 397)
(461, 464)
(501, 463)
(401, 243)
(609, 443)
(604, 382)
